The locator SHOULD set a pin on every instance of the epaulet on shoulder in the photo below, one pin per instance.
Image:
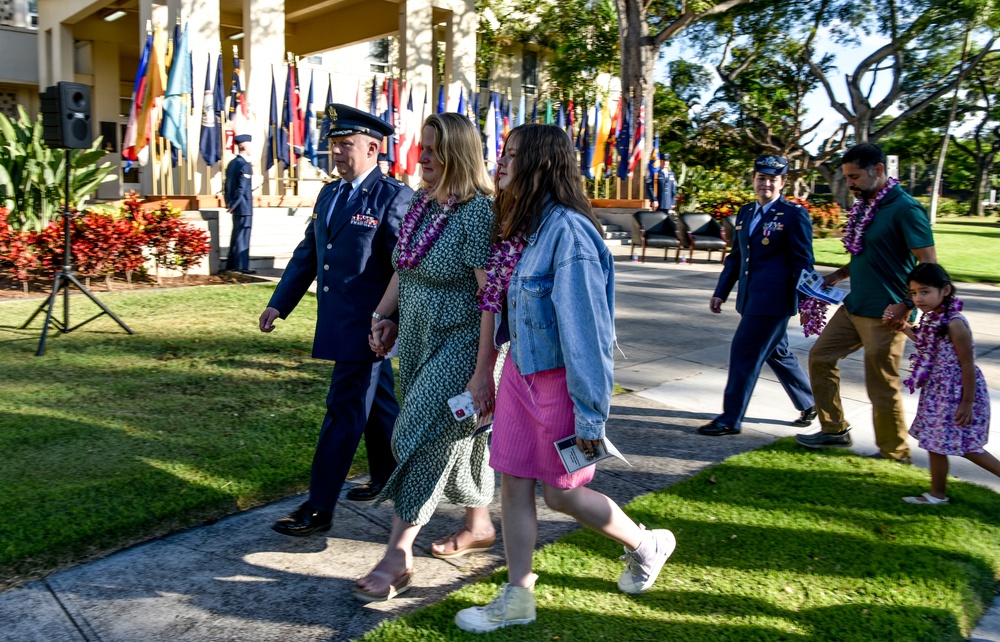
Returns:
(392, 181)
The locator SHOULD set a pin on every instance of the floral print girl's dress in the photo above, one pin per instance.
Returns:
(934, 426)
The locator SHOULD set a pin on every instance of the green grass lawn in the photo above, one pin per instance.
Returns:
(109, 439)
(965, 247)
(775, 544)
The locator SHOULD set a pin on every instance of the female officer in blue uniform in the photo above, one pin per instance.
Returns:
(347, 250)
(777, 235)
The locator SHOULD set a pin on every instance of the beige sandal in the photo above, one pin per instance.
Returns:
(477, 546)
(397, 586)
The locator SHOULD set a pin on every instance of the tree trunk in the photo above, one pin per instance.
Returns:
(638, 51)
(984, 167)
(835, 179)
(939, 170)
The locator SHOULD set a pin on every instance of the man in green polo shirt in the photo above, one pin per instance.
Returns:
(888, 235)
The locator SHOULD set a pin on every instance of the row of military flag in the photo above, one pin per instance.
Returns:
(161, 101)
(601, 135)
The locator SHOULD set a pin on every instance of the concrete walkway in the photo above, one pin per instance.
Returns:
(238, 580)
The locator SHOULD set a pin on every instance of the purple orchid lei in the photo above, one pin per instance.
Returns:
(861, 215)
(812, 313)
(928, 338)
(410, 254)
(504, 256)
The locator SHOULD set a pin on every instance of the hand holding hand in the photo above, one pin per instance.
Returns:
(267, 319)
(382, 337)
(715, 304)
(895, 316)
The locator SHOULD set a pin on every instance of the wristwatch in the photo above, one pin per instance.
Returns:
(908, 303)
(377, 316)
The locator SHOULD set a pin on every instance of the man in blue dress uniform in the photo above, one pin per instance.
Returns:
(239, 202)
(661, 186)
(347, 250)
(777, 235)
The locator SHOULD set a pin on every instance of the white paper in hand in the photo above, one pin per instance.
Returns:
(811, 284)
(574, 459)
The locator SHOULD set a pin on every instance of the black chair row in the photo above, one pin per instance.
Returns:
(688, 231)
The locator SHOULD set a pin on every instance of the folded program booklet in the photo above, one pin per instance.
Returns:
(574, 459)
(811, 284)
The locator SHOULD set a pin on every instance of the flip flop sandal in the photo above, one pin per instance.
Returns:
(926, 499)
(477, 546)
(397, 586)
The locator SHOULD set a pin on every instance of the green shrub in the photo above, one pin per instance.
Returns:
(946, 206)
(32, 175)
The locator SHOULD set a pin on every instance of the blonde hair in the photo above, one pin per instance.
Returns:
(460, 150)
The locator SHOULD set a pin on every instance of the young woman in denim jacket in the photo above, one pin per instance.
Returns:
(552, 277)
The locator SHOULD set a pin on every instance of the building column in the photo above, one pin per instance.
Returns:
(416, 56)
(55, 52)
(20, 13)
(263, 46)
(155, 14)
(105, 108)
(416, 46)
(462, 47)
(201, 17)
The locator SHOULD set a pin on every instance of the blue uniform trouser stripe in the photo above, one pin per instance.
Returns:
(761, 339)
(361, 401)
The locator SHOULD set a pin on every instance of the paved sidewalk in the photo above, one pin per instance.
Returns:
(238, 580)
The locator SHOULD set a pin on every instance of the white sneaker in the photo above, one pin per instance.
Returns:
(512, 605)
(644, 563)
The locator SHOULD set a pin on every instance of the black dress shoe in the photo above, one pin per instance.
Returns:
(806, 418)
(303, 521)
(248, 271)
(715, 429)
(364, 492)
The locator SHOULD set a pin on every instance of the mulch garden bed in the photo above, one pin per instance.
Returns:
(12, 289)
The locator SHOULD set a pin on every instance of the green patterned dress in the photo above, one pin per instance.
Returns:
(438, 458)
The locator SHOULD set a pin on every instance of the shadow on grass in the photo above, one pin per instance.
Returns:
(775, 544)
(678, 615)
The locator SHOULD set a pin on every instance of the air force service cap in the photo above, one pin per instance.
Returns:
(345, 121)
(771, 164)
(242, 138)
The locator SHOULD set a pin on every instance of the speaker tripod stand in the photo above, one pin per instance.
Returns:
(62, 282)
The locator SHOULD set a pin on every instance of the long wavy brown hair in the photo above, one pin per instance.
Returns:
(544, 169)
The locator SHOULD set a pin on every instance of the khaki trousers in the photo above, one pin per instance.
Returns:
(844, 334)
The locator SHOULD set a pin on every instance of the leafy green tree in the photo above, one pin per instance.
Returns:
(582, 34)
(921, 61)
(644, 26)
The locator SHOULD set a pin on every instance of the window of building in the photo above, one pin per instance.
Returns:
(529, 72)
(8, 103)
(378, 56)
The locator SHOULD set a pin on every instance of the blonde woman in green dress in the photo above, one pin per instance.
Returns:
(445, 347)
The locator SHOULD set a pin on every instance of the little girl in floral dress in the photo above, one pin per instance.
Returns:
(953, 415)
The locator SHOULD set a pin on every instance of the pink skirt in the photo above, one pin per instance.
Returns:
(532, 413)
